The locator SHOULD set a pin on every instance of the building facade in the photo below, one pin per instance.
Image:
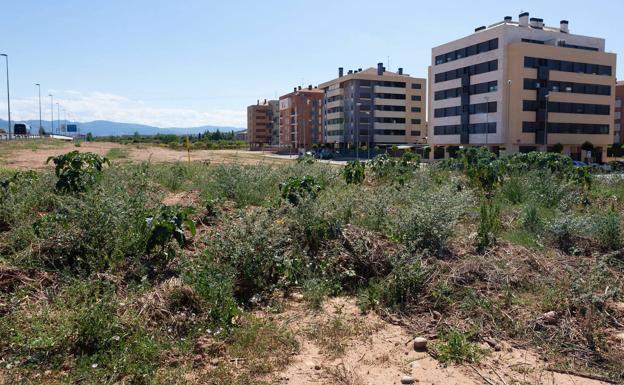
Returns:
(263, 123)
(617, 127)
(374, 107)
(300, 119)
(520, 86)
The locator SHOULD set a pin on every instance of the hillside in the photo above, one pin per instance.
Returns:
(105, 128)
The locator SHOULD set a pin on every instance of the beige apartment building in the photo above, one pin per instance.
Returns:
(374, 107)
(520, 86)
(300, 119)
(263, 123)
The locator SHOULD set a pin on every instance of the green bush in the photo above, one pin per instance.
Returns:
(607, 230)
(429, 221)
(400, 288)
(170, 223)
(354, 172)
(299, 188)
(77, 171)
(489, 224)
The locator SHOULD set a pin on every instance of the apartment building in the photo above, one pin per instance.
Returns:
(520, 86)
(617, 128)
(300, 125)
(374, 107)
(263, 123)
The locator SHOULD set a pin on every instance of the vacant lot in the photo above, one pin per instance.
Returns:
(29, 155)
(303, 273)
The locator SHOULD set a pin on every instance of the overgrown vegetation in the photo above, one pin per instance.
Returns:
(101, 283)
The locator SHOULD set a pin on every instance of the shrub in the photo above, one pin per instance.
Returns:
(297, 189)
(607, 229)
(215, 285)
(396, 290)
(170, 223)
(354, 172)
(513, 190)
(530, 218)
(489, 224)
(563, 231)
(77, 171)
(429, 221)
(455, 347)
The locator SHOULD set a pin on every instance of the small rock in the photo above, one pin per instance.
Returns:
(415, 365)
(420, 344)
(407, 380)
(493, 343)
(317, 367)
(298, 297)
(549, 318)
(214, 362)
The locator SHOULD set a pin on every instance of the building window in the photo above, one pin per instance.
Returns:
(415, 133)
(567, 128)
(416, 121)
(480, 108)
(390, 120)
(379, 107)
(568, 108)
(455, 129)
(570, 87)
(390, 96)
(461, 53)
(469, 70)
(416, 109)
(416, 98)
(567, 66)
(416, 86)
(390, 132)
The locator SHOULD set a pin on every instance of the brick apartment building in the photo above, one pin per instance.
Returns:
(263, 124)
(300, 125)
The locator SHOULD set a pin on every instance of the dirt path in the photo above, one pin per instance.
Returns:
(365, 350)
(34, 155)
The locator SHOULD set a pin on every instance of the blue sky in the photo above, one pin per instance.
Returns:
(201, 62)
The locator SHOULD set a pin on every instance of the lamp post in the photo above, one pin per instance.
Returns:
(40, 121)
(58, 117)
(51, 113)
(357, 130)
(487, 121)
(546, 123)
(8, 92)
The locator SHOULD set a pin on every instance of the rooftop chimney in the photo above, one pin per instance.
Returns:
(400, 71)
(523, 19)
(564, 26)
(508, 19)
(310, 86)
(265, 101)
(299, 88)
(481, 28)
(295, 89)
(380, 69)
(349, 72)
(359, 70)
(340, 72)
(258, 103)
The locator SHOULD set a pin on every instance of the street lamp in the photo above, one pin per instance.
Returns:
(40, 124)
(487, 121)
(546, 123)
(51, 113)
(8, 92)
(58, 117)
(357, 130)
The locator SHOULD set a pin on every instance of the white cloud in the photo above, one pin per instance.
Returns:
(88, 106)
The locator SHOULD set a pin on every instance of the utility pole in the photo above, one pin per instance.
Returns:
(58, 117)
(40, 121)
(8, 92)
(51, 113)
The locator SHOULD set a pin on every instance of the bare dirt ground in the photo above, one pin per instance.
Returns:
(341, 346)
(33, 155)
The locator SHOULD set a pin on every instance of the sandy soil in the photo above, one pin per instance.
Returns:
(29, 158)
(381, 354)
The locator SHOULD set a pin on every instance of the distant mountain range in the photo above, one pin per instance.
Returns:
(105, 128)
